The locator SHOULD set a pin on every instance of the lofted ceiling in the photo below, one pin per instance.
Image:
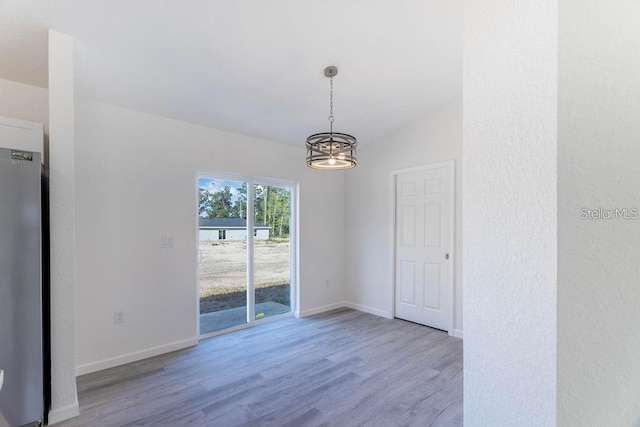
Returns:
(253, 67)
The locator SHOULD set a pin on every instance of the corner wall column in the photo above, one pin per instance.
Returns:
(64, 397)
(510, 139)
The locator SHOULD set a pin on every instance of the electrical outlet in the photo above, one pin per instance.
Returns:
(118, 317)
(166, 242)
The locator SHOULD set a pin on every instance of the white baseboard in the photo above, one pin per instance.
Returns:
(458, 333)
(63, 413)
(370, 310)
(341, 304)
(132, 357)
(322, 309)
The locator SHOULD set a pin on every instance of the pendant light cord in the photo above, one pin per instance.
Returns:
(331, 119)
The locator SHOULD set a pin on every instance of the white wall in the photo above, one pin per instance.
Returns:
(434, 138)
(509, 219)
(135, 181)
(24, 102)
(62, 196)
(598, 260)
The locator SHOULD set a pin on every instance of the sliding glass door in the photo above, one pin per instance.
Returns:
(244, 277)
(272, 250)
(223, 254)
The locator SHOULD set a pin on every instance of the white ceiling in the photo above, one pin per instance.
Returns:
(253, 66)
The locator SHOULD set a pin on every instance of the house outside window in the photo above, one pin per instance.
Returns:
(222, 234)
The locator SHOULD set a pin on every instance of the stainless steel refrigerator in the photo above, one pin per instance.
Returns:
(21, 338)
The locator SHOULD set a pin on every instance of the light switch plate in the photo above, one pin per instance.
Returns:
(166, 242)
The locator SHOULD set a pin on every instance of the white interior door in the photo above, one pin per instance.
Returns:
(423, 245)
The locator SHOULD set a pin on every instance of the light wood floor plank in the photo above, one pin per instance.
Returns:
(341, 368)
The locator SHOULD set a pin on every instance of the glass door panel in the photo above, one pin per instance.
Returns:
(271, 250)
(223, 254)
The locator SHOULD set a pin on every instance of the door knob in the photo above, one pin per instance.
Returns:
(446, 256)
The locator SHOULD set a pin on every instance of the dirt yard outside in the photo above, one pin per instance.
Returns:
(223, 273)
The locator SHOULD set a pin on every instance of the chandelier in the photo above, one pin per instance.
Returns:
(331, 150)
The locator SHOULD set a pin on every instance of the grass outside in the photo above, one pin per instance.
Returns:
(223, 273)
(225, 301)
